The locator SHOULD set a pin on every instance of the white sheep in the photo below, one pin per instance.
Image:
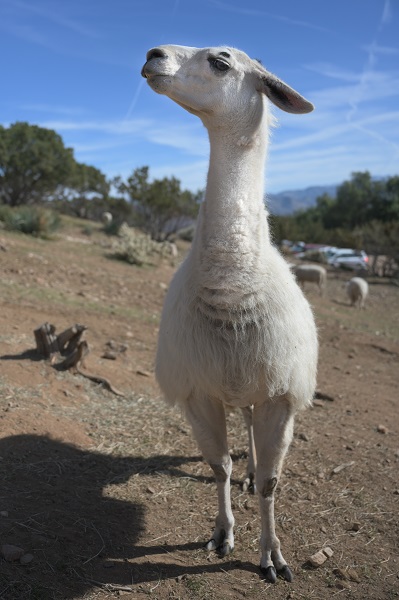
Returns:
(313, 274)
(106, 218)
(357, 290)
(236, 330)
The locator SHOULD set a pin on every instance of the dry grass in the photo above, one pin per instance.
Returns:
(111, 495)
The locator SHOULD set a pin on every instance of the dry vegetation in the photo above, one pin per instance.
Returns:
(109, 495)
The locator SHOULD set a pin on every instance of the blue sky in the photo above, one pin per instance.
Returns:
(75, 67)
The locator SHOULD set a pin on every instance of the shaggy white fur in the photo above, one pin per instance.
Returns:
(236, 329)
(357, 289)
(311, 273)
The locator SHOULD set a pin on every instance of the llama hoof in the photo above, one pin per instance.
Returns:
(225, 549)
(211, 545)
(248, 485)
(270, 574)
(286, 573)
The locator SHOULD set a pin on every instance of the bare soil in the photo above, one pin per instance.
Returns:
(109, 495)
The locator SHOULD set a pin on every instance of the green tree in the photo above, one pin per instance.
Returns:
(159, 207)
(33, 164)
(86, 194)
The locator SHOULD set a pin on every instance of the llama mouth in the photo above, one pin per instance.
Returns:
(148, 74)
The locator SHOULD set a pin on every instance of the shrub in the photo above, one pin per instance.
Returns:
(112, 228)
(30, 220)
(138, 248)
(187, 233)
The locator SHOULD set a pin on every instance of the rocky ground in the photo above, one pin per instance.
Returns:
(107, 495)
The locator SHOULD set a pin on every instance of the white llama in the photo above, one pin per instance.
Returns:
(236, 330)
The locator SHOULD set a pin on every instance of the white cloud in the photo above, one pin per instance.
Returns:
(59, 110)
(383, 50)
(55, 17)
(333, 71)
(261, 13)
(110, 127)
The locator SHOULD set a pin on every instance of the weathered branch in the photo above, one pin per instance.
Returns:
(46, 341)
(69, 344)
(71, 337)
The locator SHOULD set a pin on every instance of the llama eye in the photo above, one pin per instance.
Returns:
(218, 64)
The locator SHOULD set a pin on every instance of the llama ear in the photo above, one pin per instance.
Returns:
(283, 96)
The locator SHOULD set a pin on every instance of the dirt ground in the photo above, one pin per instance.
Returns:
(108, 496)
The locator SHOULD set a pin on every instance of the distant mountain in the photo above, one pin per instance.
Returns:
(286, 203)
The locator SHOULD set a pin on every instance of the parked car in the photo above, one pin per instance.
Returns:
(349, 259)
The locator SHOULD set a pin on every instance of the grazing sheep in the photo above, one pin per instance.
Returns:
(106, 218)
(311, 273)
(236, 330)
(357, 290)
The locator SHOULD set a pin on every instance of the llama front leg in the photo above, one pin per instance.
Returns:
(208, 421)
(249, 481)
(273, 429)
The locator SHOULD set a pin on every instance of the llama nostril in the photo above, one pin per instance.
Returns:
(155, 53)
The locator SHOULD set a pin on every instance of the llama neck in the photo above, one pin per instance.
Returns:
(232, 233)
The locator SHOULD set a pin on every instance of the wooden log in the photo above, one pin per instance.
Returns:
(70, 338)
(46, 341)
(70, 344)
(75, 357)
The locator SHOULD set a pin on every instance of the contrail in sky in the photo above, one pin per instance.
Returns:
(140, 85)
(386, 17)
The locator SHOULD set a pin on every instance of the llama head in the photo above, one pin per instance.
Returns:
(221, 85)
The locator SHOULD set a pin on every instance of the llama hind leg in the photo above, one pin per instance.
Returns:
(273, 428)
(249, 481)
(208, 421)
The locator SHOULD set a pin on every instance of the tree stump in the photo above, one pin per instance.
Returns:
(67, 350)
(52, 346)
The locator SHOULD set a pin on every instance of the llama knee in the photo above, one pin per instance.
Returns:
(222, 470)
(268, 486)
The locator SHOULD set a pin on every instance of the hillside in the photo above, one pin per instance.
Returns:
(290, 201)
(108, 495)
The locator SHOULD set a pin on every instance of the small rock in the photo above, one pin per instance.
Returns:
(4, 513)
(340, 573)
(382, 429)
(343, 585)
(342, 467)
(112, 344)
(150, 490)
(303, 436)
(109, 355)
(353, 575)
(180, 578)
(317, 559)
(355, 527)
(318, 403)
(143, 373)
(11, 553)
(26, 559)
(320, 557)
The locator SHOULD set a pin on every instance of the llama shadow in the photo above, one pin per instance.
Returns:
(53, 505)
